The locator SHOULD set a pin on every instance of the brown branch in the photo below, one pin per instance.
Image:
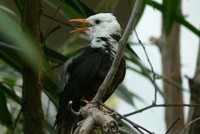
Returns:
(57, 20)
(197, 71)
(151, 67)
(93, 116)
(31, 91)
(153, 105)
(172, 125)
(135, 125)
(189, 124)
(16, 121)
(85, 126)
(121, 131)
(120, 51)
(52, 21)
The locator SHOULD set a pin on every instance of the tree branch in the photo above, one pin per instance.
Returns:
(135, 125)
(31, 91)
(172, 125)
(120, 51)
(189, 124)
(151, 67)
(51, 22)
(161, 105)
(93, 116)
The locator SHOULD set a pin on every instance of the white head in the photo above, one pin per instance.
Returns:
(102, 24)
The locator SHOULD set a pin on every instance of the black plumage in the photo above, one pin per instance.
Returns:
(82, 76)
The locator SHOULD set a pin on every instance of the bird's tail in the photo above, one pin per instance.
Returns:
(65, 123)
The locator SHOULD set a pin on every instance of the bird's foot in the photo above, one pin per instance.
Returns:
(85, 100)
(103, 109)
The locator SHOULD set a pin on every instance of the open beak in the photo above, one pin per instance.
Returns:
(79, 29)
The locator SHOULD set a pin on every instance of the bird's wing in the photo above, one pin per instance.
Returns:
(78, 74)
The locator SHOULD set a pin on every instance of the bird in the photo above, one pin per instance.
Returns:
(84, 73)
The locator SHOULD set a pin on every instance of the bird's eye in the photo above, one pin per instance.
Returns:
(97, 21)
(98, 41)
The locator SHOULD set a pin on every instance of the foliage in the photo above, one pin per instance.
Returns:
(17, 46)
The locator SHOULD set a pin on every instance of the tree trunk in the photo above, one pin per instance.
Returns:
(172, 70)
(31, 93)
(194, 112)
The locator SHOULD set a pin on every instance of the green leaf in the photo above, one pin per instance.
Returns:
(19, 5)
(135, 57)
(177, 17)
(80, 7)
(107, 5)
(54, 56)
(5, 117)
(128, 127)
(141, 12)
(60, 11)
(9, 56)
(124, 93)
(88, 11)
(11, 94)
(170, 10)
(29, 49)
(49, 127)
(50, 88)
(188, 25)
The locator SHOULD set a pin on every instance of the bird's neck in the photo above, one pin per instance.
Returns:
(107, 43)
(116, 37)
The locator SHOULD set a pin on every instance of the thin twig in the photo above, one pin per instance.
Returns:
(51, 23)
(53, 30)
(197, 61)
(172, 125)
(48, 107)
(189, 124)
(16, 120)
(119, 55)
(136, 126)
(161, 105)
(121, 131)
(151, 66)
(7, 45)
(57, 20)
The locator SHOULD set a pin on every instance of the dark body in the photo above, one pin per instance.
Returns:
(82, 76)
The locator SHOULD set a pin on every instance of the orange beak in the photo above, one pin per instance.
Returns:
(79, 29)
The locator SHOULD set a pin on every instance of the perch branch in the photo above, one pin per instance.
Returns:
(119, 55)
(135, 125)
(93, 116)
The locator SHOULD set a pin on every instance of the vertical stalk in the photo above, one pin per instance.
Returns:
(172, 70)
(31, 93)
